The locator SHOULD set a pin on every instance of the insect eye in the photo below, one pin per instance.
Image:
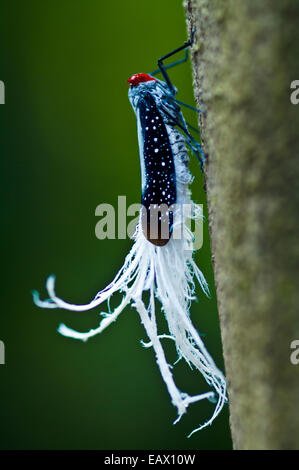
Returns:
(137, 78)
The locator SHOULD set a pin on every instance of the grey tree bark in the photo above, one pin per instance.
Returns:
(246, 55)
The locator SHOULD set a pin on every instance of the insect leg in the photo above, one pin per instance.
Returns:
(202, 111)
(196, 148)
(173, 64)
(192, 128)
(190, 141)
(163, 68)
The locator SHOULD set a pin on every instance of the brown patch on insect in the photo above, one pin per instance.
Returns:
(156, 223)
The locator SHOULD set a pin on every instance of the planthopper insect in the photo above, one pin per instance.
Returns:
(160, 265)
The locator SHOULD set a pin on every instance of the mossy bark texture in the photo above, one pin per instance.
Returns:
(245, 56)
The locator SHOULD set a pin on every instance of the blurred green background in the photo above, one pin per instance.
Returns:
(69, 143)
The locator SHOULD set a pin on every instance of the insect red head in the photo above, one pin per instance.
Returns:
(140, 77)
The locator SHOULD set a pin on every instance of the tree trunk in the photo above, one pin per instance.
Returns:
(246, 55)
